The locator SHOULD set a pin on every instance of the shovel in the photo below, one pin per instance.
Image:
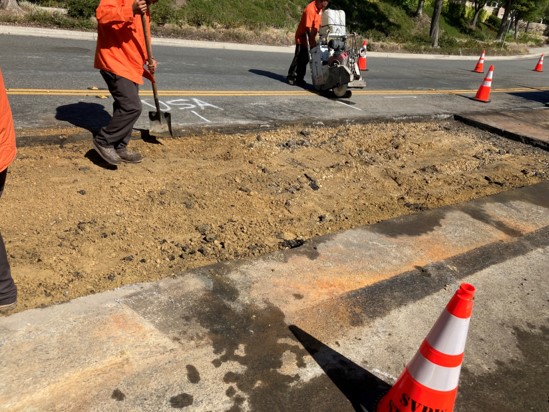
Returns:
(160, 123)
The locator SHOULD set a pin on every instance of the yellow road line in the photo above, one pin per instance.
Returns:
(236, 93)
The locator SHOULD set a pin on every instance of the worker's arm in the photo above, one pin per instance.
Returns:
(311, 35)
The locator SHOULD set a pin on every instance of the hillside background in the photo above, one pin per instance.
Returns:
(388, 25)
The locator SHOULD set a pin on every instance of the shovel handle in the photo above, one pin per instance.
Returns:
(150, 60)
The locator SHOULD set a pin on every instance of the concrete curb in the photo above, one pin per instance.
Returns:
(79, 35)
(526, 126)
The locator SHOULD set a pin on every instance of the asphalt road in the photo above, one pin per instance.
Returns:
(49, 81)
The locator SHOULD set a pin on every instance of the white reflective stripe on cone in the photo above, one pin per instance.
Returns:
(449, 334)
(433, 376)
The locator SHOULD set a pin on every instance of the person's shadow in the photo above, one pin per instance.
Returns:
(278, 77)
(92, 117)
(89, 116)
(270, 75)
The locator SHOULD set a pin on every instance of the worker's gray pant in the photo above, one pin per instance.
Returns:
(8, 290)
(126, 110)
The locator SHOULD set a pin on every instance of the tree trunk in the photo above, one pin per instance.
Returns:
(10, 5)
(434, 31)
(504, 20)
(475, 18)
(478, 7)
(419, 11)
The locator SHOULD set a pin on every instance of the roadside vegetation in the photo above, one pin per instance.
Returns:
(419, 26)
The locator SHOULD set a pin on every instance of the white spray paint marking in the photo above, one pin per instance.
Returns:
(203, 118)
(348, 105)
(163, 106)
(182, 104)
(400, 97)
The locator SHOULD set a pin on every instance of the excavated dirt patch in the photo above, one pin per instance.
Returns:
(73, 226)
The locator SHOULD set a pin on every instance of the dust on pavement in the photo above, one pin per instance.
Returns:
(74, 227)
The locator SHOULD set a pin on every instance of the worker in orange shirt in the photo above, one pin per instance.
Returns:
(308, 27)
(8, 290)
(121, 55)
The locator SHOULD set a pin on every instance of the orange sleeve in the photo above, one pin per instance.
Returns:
(310, 16)
(7, 132)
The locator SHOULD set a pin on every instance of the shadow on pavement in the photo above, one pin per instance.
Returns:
(537, 96)
(89, 116)
(280, 78)
(362, 388)
(270, 75)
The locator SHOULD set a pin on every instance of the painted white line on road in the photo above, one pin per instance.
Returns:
(203, 118)
(400, 97)
(348, 105)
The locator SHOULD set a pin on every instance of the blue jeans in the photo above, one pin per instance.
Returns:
(8, 290)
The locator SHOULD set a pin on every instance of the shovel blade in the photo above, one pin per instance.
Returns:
(160, 124)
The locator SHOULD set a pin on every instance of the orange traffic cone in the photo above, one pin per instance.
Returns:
(429, 382)
(479, 68)
(362, 64)
(539, 66)
(483, 93)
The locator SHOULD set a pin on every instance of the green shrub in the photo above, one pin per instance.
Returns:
(493, 22)
(483, 16)
(49, 3)
(447, 42)
(81, 9)
(163, 12)
(47, 19)
(479, 35)
(455, 14)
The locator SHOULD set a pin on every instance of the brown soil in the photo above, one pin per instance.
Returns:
(73, 226)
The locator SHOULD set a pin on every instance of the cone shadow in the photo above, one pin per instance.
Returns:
(362, 388)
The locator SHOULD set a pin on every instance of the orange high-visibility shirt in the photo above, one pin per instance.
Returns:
(310, 19)
(120, 41)
(7, 132)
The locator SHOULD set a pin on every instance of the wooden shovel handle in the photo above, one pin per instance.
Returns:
(150, 60)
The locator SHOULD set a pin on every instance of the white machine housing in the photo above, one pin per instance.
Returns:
(334, 59)
(333, 22)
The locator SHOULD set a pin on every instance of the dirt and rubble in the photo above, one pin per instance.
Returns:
(75, 226)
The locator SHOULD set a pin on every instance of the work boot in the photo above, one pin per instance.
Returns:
(8, 307)
(129, 157)
(290, 80)
(108, 154)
